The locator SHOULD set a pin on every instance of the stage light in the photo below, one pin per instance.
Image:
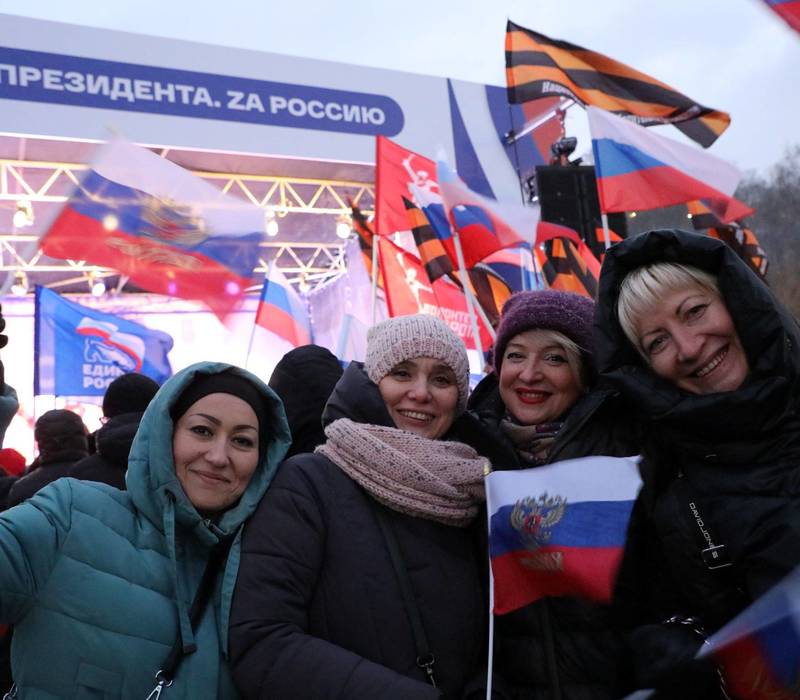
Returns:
(20, 286)
(110, 222)
(23, 216)
(344, 226)
(96, 286)
(272, 228)
(303, 285)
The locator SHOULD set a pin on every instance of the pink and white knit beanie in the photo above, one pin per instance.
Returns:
(403, 338)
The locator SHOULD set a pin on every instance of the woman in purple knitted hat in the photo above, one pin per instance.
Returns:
(541, 404)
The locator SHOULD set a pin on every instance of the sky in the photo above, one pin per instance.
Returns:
(733, 55)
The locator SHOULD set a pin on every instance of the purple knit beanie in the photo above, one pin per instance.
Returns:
(565, 312)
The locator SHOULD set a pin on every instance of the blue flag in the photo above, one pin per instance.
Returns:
(79, 351)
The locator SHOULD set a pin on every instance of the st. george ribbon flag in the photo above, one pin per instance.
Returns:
(79, 351)
(758, 652)
(639, 169)
(538, 66)
(559, 529)
(282, 311)
(165, 228)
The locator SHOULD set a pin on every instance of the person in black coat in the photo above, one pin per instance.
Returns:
(712, 361)
(542, 404)
(61, 438)
(304, 379)
(124, 403)
(319, 609)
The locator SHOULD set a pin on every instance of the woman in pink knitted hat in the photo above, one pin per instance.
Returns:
(360, 576)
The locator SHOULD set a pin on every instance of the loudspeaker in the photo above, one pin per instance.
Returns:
(568, 196)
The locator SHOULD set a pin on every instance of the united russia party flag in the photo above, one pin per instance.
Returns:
(559, 530)
(168, 230)
(79, 351)
(639, 169)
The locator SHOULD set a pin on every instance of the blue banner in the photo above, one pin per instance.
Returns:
(79, 351)
(87, 82)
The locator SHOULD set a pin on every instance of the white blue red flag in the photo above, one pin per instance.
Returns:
(788, 11)
(559, 529)
(79, 351)
(283, 311)
(638, 169)
(168, 230)
(758, 652)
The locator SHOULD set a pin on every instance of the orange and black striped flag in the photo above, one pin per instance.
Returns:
(537, 66)
(567, 269)
(490, 289)
(365, 238)
(740, 238)
(431, 251)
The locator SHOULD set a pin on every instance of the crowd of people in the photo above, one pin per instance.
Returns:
(324, 535)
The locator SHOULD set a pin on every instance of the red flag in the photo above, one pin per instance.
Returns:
(410, 291)
(399, 172)
(788, 11)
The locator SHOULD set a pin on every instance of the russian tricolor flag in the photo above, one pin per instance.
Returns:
(168, 230)
(639, 169)
(282, 311)
(559, 530)
(758, 652)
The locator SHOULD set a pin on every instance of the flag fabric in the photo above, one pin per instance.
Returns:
(517, 266)
(366, 238)
(738, 237)
(409, 291)
(79, 351)
(431, 248)
(400, 173)
(569, 268)
(758, 652)
(559, 530)
(484, 225)
(788, 11)
(639, 169)
(490, 290)
(169, 231)
(282, 311)
(538, 66)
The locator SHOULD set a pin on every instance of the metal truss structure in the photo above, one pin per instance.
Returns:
(46, 185)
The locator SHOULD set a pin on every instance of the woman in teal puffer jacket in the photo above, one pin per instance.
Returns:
(99, 583)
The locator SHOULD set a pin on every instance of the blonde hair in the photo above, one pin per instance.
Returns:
(643, 288)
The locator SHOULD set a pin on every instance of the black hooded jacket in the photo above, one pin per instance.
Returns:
(112, 445)
(318, 610)
(557, 648)
(733, 455)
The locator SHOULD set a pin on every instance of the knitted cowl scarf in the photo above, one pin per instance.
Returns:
(433, 479)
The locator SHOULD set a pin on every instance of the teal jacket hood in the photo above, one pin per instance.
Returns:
(151, 478)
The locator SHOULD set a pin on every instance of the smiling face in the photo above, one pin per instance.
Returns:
(689, 339)
(537, 382)
(421, 396)
(215, 448)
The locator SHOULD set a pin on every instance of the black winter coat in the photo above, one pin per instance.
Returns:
(734, 455)
(112, 446)
(558, 647)
(47, 472)
(318, 612)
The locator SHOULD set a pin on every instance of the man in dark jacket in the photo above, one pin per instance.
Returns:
(62, 440)
(123, 405)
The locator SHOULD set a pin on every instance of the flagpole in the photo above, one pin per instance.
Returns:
(563, 105)
(606, 236)
(490, 660)
(462, 272)
(375, 242)
(253, 331)
(484, 318)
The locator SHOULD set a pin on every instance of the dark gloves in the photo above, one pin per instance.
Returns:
(664, 658)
